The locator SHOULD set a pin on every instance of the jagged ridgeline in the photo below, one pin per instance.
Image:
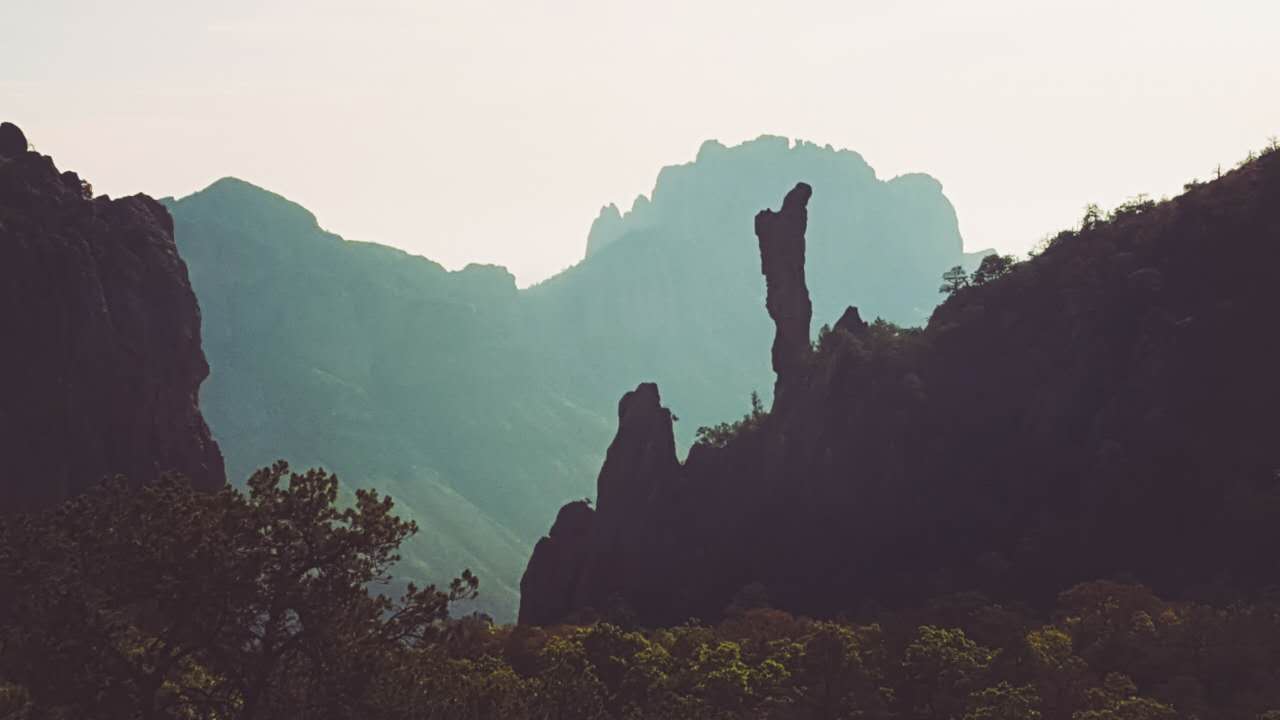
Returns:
(100, 358)
(1105, 409)
(482, 408)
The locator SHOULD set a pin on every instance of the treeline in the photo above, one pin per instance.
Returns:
(162, 602)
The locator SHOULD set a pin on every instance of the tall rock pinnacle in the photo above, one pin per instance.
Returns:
(781, 236)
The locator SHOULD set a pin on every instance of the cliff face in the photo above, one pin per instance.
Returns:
(1105, 409)
(102, 363)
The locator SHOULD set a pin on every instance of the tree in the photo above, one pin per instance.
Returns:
(1061, 675)
(941, 666)
(1004, 702)
(1093, 216)
(953, 280)
(162, 601)
(832, 678)
(720, 435)
(1118, 699)
(992, 266)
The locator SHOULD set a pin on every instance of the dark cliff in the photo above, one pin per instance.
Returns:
(102, 363)
(1105, 409)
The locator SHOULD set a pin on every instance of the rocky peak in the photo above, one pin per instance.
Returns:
(642, 453)
(606, 228)
(851, 322)
(781, 236)
(12, 142)
(546, 589)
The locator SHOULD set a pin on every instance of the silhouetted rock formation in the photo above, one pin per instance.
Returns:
(643, 452)
(669, 292)
(1104, 409)
(13, 143)
(781, 236)
(481, 408)
(556, 565)
(591, 554)
(851, 322)
(606, 228)
(102, 363)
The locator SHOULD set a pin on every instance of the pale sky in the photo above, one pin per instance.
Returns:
(493, 130)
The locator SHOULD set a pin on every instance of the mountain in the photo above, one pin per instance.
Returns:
(384, 368)
(1105, 409)
(667, 292)
(102, 362)
(482, 408)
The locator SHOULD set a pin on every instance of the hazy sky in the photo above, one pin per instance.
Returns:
(493, 131)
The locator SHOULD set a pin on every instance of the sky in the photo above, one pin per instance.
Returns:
(493, 131)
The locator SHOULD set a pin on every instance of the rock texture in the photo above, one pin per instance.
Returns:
(102, 363)
(1103, 410)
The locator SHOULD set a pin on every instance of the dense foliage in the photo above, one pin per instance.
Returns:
(166, 603)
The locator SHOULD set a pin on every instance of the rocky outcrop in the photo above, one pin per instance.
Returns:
(556, 565)
(781, 236)
(1105, 409)
(641, 459)
(483, 409)
(13, 142)
(627, 551)
(594, 555)
(851, 322)
(669, 290)
(102, 364)
(606, 228)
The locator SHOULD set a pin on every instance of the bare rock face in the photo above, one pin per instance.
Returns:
(103, 362)
(12, 142)
(546, 590)
(781, 236)
(641, 458)
(593, 555)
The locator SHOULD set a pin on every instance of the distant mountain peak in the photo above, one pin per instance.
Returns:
(254, 202)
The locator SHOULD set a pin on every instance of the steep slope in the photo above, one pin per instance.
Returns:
(668, 290)
(387, 369)
(1104, 409)
(482, 408)
(102, 362)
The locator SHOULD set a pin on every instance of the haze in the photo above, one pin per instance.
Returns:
(493, 132)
